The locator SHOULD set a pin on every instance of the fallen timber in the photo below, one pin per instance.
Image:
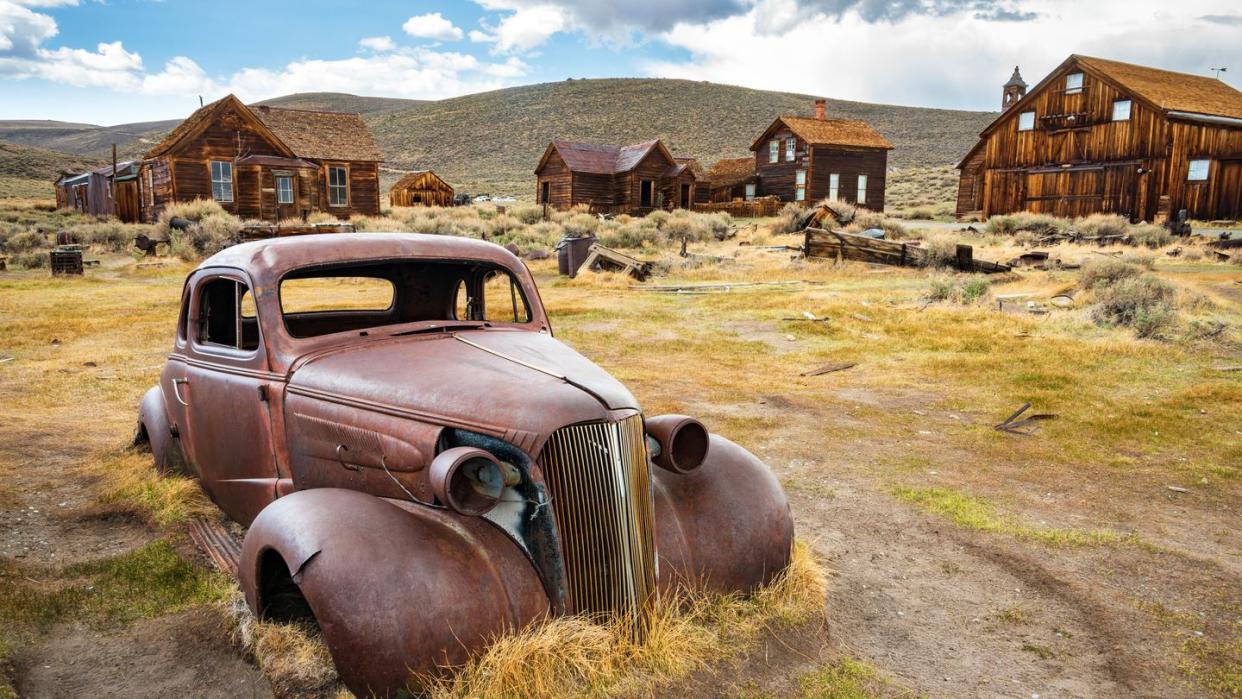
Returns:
(833, 245)
(259, 231)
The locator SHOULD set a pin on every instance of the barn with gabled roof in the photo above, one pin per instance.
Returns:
(1102, 136)
(265, 163)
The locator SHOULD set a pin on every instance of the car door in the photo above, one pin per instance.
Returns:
(227, 427)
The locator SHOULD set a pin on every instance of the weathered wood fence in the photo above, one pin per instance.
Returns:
(847, 246)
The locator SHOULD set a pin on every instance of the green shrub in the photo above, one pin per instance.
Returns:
(1039, 224)
(1107, 272)
(212, 228)
(581, 224)
(658, 218)
(976, 289)
(638, 233)
(109, 235)
(941, 289)
(865, 218)
(969, 291)
(1102, 224)
(25, 242)
(941, 251)
(1151, 235)
(789, 217)
(1144, 303)
(37, 259)
(527, 213)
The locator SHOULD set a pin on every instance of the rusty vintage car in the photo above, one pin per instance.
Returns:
(421, 465)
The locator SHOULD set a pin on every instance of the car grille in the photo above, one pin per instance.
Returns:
(600, 482)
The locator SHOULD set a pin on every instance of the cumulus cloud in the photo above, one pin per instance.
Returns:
(611, 16)
(431, 26)
(524, 29)
(1228, 20)
(378, 43)
(22, 30)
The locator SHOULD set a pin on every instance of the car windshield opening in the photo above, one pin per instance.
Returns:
(361, 296)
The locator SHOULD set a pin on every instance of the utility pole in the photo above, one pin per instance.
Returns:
(112, 182)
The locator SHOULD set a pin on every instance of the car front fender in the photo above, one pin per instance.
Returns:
(396, 587)
(725, 526)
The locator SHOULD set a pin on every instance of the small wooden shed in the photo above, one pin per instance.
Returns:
(422, 188)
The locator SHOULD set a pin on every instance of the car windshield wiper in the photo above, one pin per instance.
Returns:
(447, 327)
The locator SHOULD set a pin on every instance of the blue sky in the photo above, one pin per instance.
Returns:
(118, 61)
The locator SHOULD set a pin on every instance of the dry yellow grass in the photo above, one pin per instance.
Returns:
(293, 657)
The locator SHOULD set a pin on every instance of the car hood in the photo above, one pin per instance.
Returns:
(518, 385)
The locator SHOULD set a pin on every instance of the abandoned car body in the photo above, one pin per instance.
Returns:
(422, 466)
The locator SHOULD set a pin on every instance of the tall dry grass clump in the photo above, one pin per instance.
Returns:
(571, 656)
(292, 656)
(212, 228)
(1126, 294)
(1039, 224)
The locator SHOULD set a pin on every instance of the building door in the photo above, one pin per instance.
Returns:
(545, 191)
(286, 195)
(127, 200)
(685, 195)
(645, 194)
(1229, 186)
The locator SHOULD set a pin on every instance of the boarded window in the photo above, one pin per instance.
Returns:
(862, 189)
(1121, 110)
(221, 181)
(338, 186)
(1198, 170)
(834, 185)
(774, 151)
(284, 189)
(800, 185)
(1026, 121)
(791, 145)
(1073, 83)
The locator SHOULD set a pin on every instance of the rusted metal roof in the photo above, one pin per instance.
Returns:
(1170, 91)
(603, 159)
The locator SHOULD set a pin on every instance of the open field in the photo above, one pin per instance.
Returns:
(964, 561)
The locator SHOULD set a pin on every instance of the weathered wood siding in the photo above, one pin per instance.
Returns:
(426, 189)
(560, 182)
(594, 190)
(848, 164)
(1078, 161)
(777, 179)
(970, 185)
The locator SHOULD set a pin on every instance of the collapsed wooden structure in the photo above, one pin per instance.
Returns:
(105, 191)
(834, 245)
(421, 188)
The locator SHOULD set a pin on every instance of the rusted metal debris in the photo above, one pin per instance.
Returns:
(830, 244)
(600, 258)
(217, 544)
(1013, 425)
(420, 479)
(829, 368)
(148, 245)
(67, 259)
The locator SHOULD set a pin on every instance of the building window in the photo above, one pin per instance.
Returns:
(862, 190)
(750, 192)
(1121, 110)
(338, 186)
(774, 150)
(1026, 121)
(1073, 83)
(222, 181)
(284, 189)
(1198, 170)
(834, 185)
(790, 145)
(800, 185)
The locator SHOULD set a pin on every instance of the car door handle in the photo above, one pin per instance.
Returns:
(177, 391)
(341, 460)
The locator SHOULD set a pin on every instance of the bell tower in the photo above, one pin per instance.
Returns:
(1015, 90)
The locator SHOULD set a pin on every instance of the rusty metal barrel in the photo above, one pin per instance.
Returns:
(571, 252)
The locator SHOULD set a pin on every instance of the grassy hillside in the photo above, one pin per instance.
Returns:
(490, 142)
(27, 172)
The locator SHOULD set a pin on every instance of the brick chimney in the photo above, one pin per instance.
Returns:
(819, 108)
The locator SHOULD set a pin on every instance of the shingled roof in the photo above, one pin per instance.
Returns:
(321, 135)
(602, 159)
(830, 132)
(731, 171)
(1170, 91)
(296, 132)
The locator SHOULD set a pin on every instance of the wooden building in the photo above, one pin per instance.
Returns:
(614, 179)
(1099, 136)
(806, 159)
(422, 188)
(102, 192)
(731, 179)
(265, 163)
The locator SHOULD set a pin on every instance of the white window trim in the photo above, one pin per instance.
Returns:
(791, 149)
(232, 181)
(834, 186)
(1190, 170)
(1129, 109)
(289, 178)
(800, 185)
(1073, 90)
(861, 196)
(774, 150)
(1021, 115)
(750, 191)
(330, 187)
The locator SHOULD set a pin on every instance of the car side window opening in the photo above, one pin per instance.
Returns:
(225, 318)
(365, 296)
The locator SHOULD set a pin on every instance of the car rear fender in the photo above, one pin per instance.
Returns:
(155, 428)
(396, 587)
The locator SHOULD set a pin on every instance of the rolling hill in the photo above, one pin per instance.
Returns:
(26, 171)
(492, 141)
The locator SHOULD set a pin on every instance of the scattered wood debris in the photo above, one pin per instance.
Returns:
(1177, 489)
(609, 260)
(829, 368)
(831, 244)
(706, 288)
(1013, 425)
(809, 317)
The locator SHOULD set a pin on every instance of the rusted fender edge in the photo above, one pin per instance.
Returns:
(396, 587)
(725, 525)
(153, 419)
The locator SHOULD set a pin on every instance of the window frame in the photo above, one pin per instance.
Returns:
(1190, 169)
(191, 328)
(774, 151)
(1022, 116)
(1129, 109)
(751, 191)
(800, 185)
(791, 149)
(289, 179)
(834, 186)
(211, 173)
(860, 196)
(1075, 89)
(331, 187)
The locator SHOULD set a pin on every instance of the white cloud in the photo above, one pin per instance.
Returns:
(431, 26)
(954, 60)
(181, 76)
(528, 28)
(22, 30)
(379, 44)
